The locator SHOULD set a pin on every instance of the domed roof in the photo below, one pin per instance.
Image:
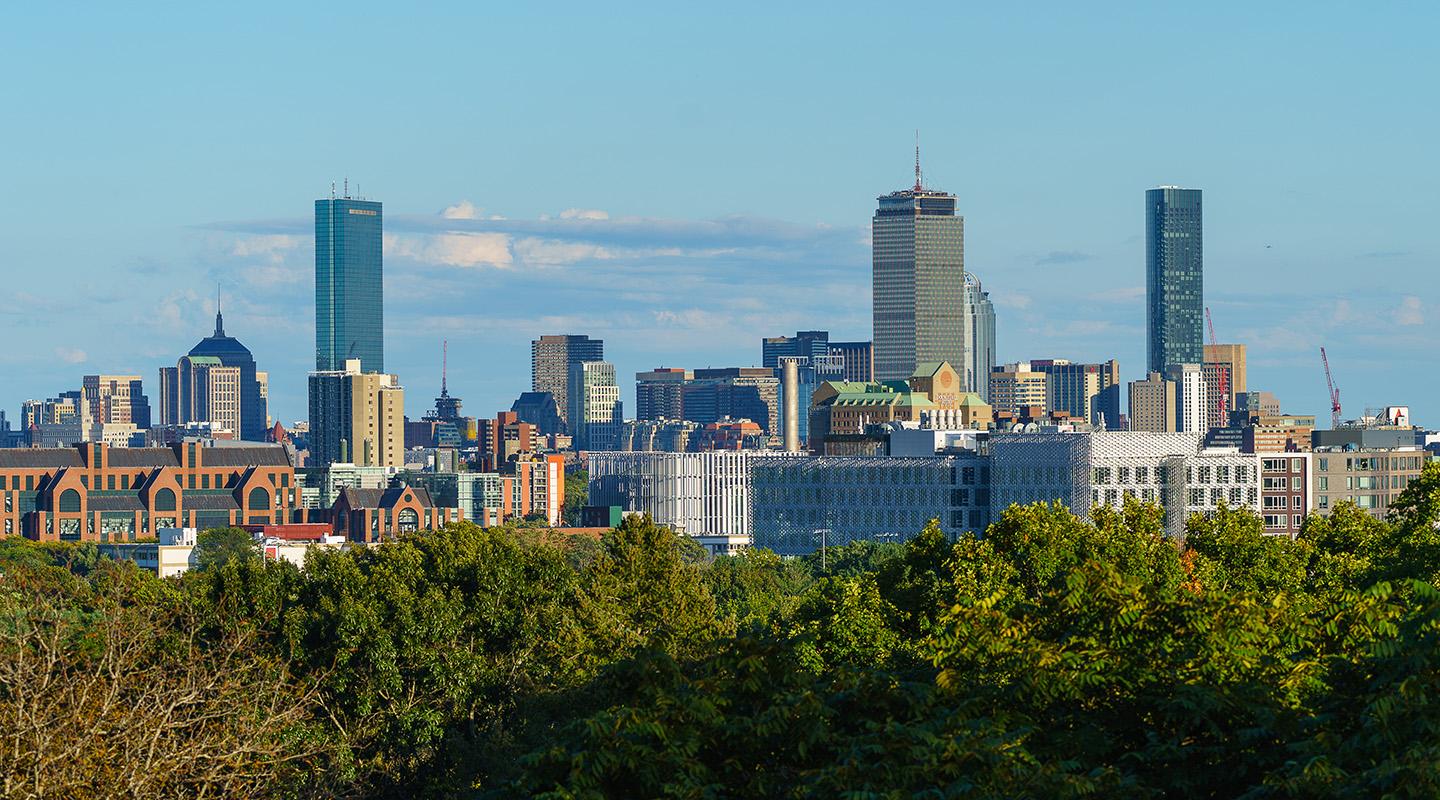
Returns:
(228, 349)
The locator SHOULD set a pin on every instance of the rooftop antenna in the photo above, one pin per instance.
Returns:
(347, 188)
(332, 190)
(444, 365)
(917, 159)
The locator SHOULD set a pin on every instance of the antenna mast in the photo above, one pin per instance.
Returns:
(917, 160)
(444, 364)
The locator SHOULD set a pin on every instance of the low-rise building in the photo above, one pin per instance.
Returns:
(1287, 491)
(1371, 478)
(693, 493)
(800, 503)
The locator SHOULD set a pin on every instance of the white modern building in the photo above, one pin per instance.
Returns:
(1087, 470)
(595, 411)
(1191, 398)
(700, 494)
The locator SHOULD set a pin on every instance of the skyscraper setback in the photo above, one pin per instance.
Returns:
(918, 272)
(1174, 277)
(550, 360)
(349, 284)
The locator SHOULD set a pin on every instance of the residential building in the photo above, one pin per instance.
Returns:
(95, 492)
(1016, 386)
(1287, 491)
(1154, 405)
(699, 494)
(524, 487)
(216, 382)
(918, 282)
(856, 360)
(349, 284)
(356, 417)
(981, 342)
(595, 411)
(650, 435)
(1191, 403)
(660, 393)
(1371, 478)
(1174, 277)
(504, 438)
(1279, 433)
(116, 399)
(751, 393)
(799, 503)
(551, 358)
(1081, 390)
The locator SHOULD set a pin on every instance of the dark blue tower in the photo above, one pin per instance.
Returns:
(349, 285)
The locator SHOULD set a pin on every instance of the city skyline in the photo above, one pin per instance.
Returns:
(690, 282)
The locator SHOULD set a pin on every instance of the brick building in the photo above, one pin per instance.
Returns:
(94, 492)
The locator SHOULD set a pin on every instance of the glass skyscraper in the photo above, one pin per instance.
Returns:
(1174, 278)
(980, 361)
(349, 285)
(918, 283)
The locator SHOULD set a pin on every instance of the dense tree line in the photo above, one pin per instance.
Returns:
(1053, 657)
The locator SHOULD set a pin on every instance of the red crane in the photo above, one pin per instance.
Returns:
(1334, 393)
(1223, 371)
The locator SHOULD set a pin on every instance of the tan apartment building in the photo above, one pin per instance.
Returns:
(356, 418)
(1153, 404)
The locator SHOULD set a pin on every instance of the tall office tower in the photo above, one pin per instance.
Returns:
(981, 341)
(805, 344)
(1153, 405)
(550, 360)
(595, 412)
(202, 389)
(1174, 277)
(349, 284)
(1081, 389)
(1230, 360)
(356, 418)
(857, 360)
(660, 393)
(1016, 386)
(184, 396)
(116, 399)
(918, 281)
(1192, 403)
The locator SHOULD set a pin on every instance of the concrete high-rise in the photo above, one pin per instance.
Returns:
(1192, 402)
(918, 282)
(1174, 277)
(356, 418)
(980, 359)
(1153, 405)
(349, 285)
(595, 411)
(551, 358)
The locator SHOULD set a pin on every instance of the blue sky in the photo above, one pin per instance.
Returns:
(683, 183)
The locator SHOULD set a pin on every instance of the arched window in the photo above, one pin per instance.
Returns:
(165, 500)
(259, 499)
(407, 520)
(69, 500)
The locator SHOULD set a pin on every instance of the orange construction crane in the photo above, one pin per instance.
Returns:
(1222, 370)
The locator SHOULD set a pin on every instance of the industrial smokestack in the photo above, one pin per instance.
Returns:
(791, 384)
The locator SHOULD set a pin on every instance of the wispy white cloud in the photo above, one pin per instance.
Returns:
(583, 213)
(452, 249)
(1410, 312)
(71, 355)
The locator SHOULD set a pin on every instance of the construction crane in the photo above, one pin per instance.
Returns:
(1223, 371)
(1334, 393)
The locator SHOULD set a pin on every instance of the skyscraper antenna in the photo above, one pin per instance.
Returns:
(917, 159)
(347, 178)
(332, 190)
(444, 365)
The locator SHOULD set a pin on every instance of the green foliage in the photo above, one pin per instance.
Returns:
(577, 495)
(1052, 657)
(217, 547)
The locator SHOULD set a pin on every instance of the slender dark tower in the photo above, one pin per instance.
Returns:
(1174, 278)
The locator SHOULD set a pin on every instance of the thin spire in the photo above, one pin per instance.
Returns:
(918, 185)
(219, 321)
